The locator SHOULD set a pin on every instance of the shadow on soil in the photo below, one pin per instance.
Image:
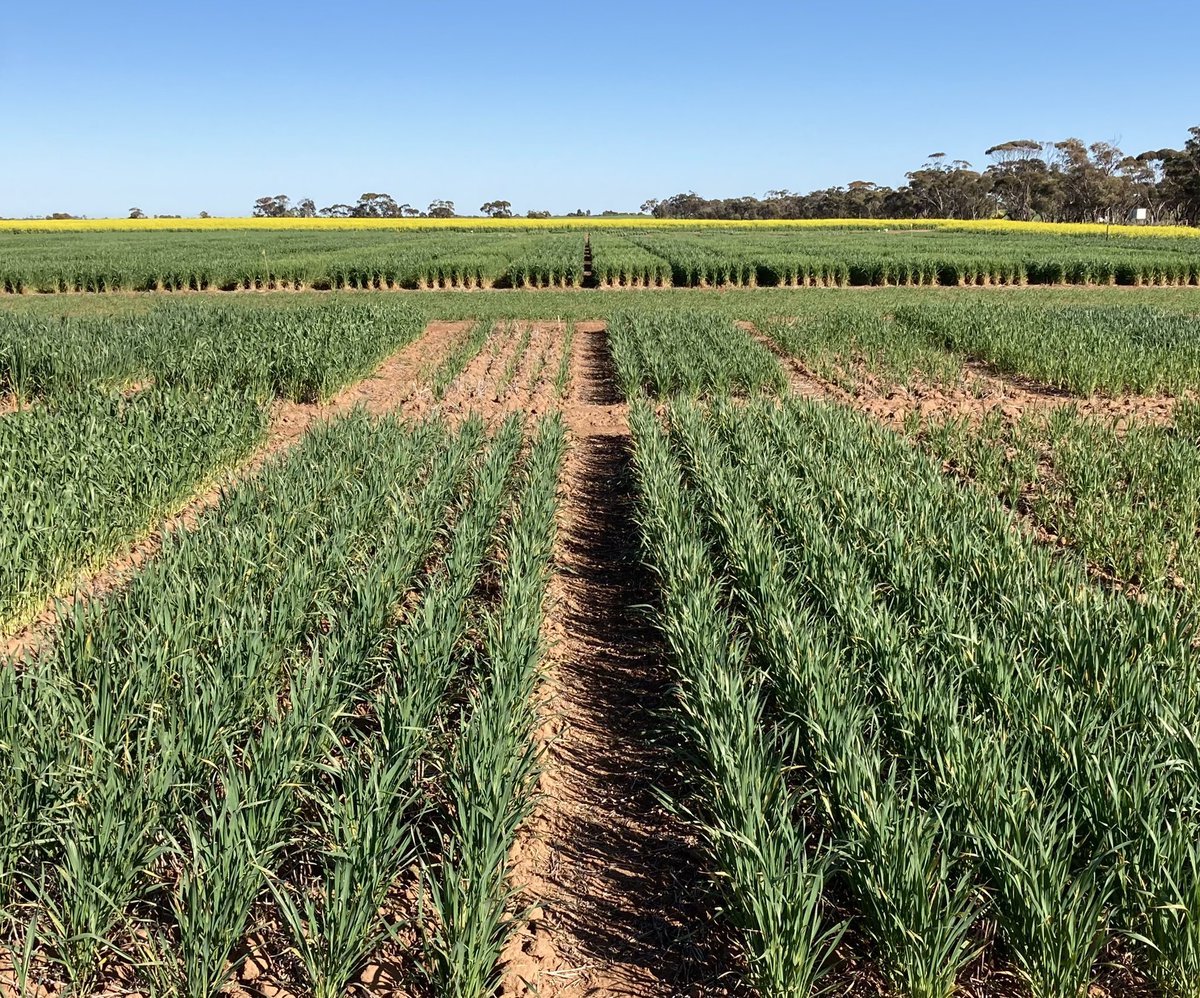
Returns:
(645, 900)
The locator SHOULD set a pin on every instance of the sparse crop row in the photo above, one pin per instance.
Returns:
(458, 358)
(1128, 500)
(266, 709)
(672, 352)
(978, 733)
(490, 777)
(847, 342)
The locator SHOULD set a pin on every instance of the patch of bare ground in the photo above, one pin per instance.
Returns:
(394, 386)
(981, 390)
(500, 380)
(619, 901)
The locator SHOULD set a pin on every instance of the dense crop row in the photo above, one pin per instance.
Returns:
(229, 261)
(750, 818)
(887, 676)
(665, 353)
(121, 421)
(491, 257)
(303, 353)
(830, 259)
(618, 262)
(1084, 350)
(263, 707)
(82, 476)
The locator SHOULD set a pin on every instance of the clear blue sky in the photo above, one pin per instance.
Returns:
(178, 108)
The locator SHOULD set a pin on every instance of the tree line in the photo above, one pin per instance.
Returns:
(1026, 179)
(375, 205)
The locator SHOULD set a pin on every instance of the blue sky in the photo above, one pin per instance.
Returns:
(178, 108)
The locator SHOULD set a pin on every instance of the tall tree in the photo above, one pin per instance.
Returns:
(951, 189)
(1021, 177)
(272, 207)
(1181, 177)
(1093, 184)
(372, 205)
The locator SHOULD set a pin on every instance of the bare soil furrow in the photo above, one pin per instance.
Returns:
(621, 905)
(476, 389)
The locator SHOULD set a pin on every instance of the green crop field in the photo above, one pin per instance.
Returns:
(516, 257)
(795, 637)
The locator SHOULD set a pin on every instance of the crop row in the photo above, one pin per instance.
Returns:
(1112, 349)
(121, 421)
(1084, 350)
(82, 476)
(264, 707)
(699, 256)
(1127, 499)
(891, 693)
(849, 342)
(304, 353)
(618, 262)
(228, 261)
(670, 352)
(832, 259)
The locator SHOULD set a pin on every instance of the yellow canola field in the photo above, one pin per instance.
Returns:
(594, 222)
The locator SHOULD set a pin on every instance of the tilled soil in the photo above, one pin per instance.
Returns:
(620, 903)
(393, 386)
(483, 388)
(982, 390)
